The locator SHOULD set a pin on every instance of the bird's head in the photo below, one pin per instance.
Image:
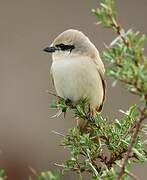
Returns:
(72, 42)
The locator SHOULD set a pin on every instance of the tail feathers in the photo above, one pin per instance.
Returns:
(100, 108)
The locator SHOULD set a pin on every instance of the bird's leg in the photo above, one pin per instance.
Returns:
(91, 114)
(68, 102)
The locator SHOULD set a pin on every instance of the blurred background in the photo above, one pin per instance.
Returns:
(26, 27)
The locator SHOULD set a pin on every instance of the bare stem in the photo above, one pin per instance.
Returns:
(132, 175)
(120, 31)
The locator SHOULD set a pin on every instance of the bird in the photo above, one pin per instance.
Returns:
(77, 70)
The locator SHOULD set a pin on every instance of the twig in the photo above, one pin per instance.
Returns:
(60, 165)
(51, 93)
(133, 140)
(120, 31)
(132, 175)
(119, 37)
(63, 166)
(57, 114)
(55, 132)
(33, 171)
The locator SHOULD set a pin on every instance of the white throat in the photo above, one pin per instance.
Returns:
(59, 55)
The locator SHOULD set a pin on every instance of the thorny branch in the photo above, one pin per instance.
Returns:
(143, 116)
(107, 16)
(120, 31)
(133, 139)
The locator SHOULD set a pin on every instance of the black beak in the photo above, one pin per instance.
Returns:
(50, 49)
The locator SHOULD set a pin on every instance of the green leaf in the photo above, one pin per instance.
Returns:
(48, 175)
(139, 155)
(2, 174)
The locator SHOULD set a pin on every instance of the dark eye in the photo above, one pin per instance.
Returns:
(64, 47)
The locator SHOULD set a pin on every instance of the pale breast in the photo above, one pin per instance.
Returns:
(76, 78)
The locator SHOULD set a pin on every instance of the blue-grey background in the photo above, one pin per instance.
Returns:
(27, 26)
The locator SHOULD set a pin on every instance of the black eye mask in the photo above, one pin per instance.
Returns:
(64, 47)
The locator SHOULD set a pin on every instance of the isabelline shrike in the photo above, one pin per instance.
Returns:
(77, 69)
